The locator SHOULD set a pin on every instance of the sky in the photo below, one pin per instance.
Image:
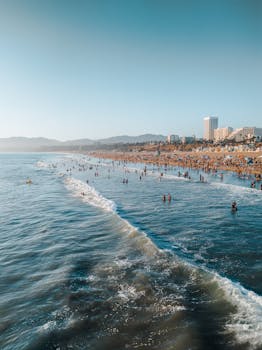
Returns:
(72, 69)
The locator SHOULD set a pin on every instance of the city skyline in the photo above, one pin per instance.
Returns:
(99, 69)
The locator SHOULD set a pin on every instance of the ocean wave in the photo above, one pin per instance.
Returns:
(236, 188)
(42, 164)
(247, 322)
(89, 194)
(127, 292)
(48, 326)
(175, 177)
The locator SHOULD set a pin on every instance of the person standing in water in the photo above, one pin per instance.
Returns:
(234, 206)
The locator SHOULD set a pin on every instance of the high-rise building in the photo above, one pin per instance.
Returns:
(210, 124)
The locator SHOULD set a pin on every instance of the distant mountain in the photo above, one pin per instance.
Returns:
(133, 139)
(36, 144)
(80, 142)
(25, 144)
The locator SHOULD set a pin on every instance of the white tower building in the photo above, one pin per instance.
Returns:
(210, 124)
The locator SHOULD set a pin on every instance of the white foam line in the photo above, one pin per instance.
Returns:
(247, 322)
(127, 292)
(89, 194)
(175, 177)
(93, 197)
(157, 174)
(42, 164)
(48, 326)
(237, 187)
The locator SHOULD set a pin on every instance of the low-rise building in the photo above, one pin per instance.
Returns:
(246, 133)
(222, 133)
(172, 138)
(188, 139)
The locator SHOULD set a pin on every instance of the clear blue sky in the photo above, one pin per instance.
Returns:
(78, 68)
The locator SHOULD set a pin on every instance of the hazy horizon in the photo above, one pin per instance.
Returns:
(82, 138)
(101, 69)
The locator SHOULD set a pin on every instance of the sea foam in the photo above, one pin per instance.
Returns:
(89, 194)
(42, 164)
(247, 322)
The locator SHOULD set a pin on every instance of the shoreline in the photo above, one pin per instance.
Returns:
(241, 163)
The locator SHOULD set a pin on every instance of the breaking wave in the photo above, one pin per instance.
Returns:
(89, 194)
(246, 323)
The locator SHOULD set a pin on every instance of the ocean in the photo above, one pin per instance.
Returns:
(89, 261)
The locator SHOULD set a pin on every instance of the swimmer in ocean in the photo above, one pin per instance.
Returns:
(234, 206)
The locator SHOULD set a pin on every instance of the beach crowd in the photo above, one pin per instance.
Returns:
(245, 165)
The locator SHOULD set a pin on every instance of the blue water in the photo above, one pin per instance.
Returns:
(108, 265)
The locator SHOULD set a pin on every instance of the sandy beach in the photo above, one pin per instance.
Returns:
(243, 163)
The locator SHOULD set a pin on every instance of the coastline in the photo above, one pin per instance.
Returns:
(242, 163)
(207, 267)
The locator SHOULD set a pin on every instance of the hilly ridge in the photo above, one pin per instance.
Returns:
(37, 144)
